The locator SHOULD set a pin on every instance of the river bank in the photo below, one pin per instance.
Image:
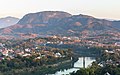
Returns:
(63, 67)
(80, 63)
(41, 70)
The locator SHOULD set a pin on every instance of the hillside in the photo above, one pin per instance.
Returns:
(60, 23)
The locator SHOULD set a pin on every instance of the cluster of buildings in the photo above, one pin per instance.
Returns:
(97, 41)
(42, 51)
(38, 52)
(110, 57)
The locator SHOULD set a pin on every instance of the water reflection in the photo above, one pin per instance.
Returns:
(82, 62)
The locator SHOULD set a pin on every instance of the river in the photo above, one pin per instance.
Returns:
(80, 63)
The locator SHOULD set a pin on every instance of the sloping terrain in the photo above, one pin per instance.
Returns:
(8, 21)
(60, 23)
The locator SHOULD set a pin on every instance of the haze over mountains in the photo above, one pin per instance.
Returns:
(60, 23)
(7, 21)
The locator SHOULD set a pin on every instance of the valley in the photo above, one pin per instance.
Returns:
(44, 42)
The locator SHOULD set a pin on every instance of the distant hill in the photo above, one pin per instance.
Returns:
(8, 21)
(60, 23)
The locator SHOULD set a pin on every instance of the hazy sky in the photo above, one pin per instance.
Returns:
(97, 8)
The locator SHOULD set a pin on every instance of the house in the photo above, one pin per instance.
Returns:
(111, 52)
(60, 43)
(5, 52)
(38, 57)
(117, 43)
(27, 50)
(26, 55)
(58, 55)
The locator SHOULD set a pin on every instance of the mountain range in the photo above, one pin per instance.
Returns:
(60, 23)
(8, 21)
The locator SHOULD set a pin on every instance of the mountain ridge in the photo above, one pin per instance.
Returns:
(8, 21)
(60, 23)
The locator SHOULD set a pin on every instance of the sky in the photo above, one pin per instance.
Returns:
(108, 9)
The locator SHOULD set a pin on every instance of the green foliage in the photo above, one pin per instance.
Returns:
(95, 69)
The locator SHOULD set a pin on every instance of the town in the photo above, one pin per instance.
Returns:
(42, 46)
(42, 51)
